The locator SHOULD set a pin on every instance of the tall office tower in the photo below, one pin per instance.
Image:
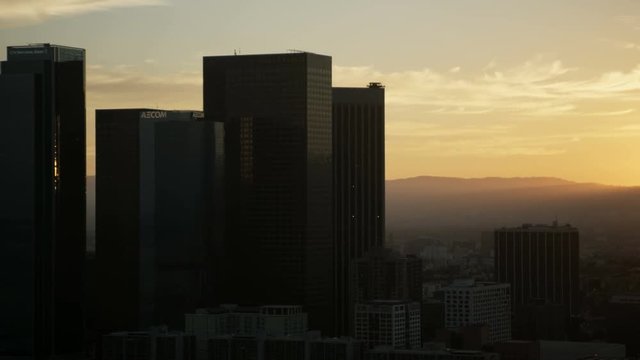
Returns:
(155, 209)
(393, 323)
(385, 274)
(358, 163)
(42, 206)
(468, 303)
(540, 262)
(276, 111)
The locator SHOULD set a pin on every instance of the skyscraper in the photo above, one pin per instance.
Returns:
(540, 262)
(358, 162)
(155, 242)
(385, 274)
(276, 111)
(42, 211)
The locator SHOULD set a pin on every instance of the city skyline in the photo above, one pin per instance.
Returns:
(473, 89)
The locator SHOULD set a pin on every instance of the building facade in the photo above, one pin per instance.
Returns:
(155, 344)
(244, 322)
(42, 212)
(276, 111)
(156, 249)
(359, 168)
(310, 346)
(385, 274)
(468, 303)
(391, 323)
(540, 262)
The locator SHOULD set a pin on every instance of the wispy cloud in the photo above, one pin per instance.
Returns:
(631, 21)
(127, 85)
(535, 88)
(621, 44)
(15, 13)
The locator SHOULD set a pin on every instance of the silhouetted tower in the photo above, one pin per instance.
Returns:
(155, 211)
(276, 110)
(541, 263)
(42, 206)
(358, 160)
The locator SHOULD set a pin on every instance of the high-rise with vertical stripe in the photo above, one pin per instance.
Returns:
(541, 262)
(358, 158)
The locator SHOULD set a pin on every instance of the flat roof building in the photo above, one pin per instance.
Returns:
(541, 262)
(154, 344)
(276, 111)
(469, 303)
(359, 211)
(42, 211)
(392, 323)
(156, 246)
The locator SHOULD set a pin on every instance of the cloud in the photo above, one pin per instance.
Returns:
(630, 21)
(534, 88)
(478, 142)
(130, 86)
(626, 45)
(28, 12)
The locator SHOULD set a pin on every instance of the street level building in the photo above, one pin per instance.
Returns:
(391, 323)
(245, 322)
(42, 201)
(387, 353)
(154, 344)
(310, 346)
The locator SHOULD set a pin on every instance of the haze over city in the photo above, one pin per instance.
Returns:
(474, 88)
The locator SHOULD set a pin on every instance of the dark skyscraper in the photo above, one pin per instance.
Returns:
(42, 206)
(358, 160)
(384, 274)
(541, 263)
(155, 172)
(276, 110)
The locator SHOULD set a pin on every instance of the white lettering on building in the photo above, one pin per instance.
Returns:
(153, 115)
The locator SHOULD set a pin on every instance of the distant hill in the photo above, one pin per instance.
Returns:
(425, 204)
(446, 206)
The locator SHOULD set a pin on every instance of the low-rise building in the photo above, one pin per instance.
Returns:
(392, 323)
(239, 321)
(470, 303)
(155, 344)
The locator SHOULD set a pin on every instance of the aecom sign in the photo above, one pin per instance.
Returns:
(153, 115)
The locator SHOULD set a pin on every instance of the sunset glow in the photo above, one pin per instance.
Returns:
(474, 88)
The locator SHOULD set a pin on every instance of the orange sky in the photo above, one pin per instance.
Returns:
(474, 88)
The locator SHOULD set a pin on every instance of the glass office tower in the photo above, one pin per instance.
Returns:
(358, 159)
(276, 110)
(42, 211)
(155, 235)
(542, 264)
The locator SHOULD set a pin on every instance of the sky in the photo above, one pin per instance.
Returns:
(474, 88)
